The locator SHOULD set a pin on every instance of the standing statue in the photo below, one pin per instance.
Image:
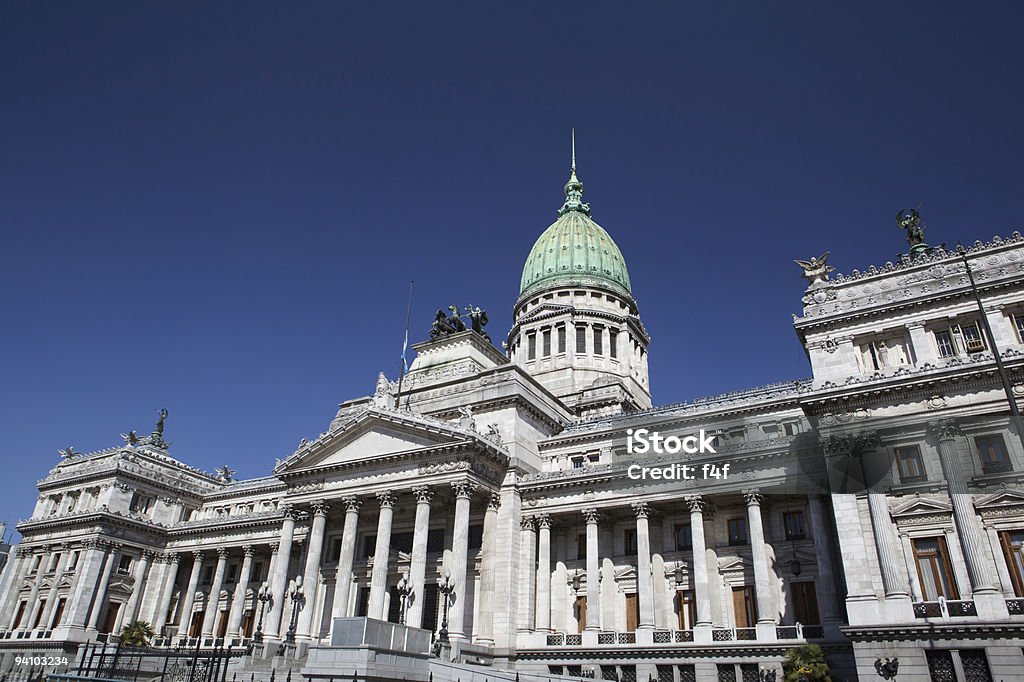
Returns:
(130, 438)
(478, 318)
(815, 270)
(158, 430)
(911, 222)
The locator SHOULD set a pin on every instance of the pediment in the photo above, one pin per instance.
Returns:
(918, 506)
(544, 309)
(374, 435)
(1003, 498)
(732, 563)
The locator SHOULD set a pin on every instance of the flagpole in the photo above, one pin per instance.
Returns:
(405, 345)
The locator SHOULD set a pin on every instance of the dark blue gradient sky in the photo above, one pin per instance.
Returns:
(217, 207)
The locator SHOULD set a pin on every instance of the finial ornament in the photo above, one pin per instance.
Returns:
(574, 188)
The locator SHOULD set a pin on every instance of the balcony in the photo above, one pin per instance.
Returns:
(663, 637)
(945, 608)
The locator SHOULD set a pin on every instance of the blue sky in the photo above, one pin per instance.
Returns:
(217, 208)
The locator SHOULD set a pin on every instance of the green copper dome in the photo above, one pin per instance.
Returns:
(574, 251)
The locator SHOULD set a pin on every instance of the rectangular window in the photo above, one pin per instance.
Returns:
(1018, 324)
(910, 464)
(363, 602)
(581, 546)
(598, 341)
(335, 552)
(1013, 552)
(476, 537)
(546, 343)
(125, 564)
(581, 340)
(369, 545)
(577, 462)
(232, 573)
(686, 609)
(561, 338)
(975, 665)
(974, 341)
(992, 453)
(944, 343)
(684, 537)
(402, 542)
(744, 606)
(435, 540)
(613, 343)
(934, 569)
(531, 346)
(629, 541)
(793, 522)
(737, 531)
(207, 575)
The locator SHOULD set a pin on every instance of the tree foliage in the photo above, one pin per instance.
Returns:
(806, 663)
(137, 633)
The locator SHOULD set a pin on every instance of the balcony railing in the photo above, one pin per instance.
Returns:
(944, 608)
(1015, 607)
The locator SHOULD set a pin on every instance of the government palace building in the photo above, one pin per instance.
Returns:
(504, 511)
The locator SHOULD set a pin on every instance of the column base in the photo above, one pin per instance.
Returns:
(897, 609)
(766, 632)
(991, 605)
(702, 633)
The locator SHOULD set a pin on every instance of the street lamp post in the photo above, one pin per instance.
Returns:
(447, 589)
(404, 590)
(298, 599)
(263, 596)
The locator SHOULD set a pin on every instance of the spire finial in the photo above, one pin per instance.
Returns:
(574, 150)
(574, 188)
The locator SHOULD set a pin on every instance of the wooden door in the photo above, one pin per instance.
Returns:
(632, 612)
(686, 609)
(111, 618)
(743, 606)
(196, 626)
(247, 624)
(581, 614)
(222, 625)
(805, 603)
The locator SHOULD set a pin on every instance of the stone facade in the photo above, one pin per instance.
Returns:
(873, 509)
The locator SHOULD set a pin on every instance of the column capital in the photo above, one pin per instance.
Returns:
(463, 489)
(386, 499)
(197, 555)
(423, 494)
(544, 521)
(944, 430)
(150, 554)
(753, 497)
(494, 502)
(222, 553)
(528, 523)
(320, 508)
(91, 543)
(64, 546)
(248, 551)
(696, 503)
(289, 511)
(24, 552)
(641, 509)
(172, 557)
(274, 547)
(591, 515)
(352, 504)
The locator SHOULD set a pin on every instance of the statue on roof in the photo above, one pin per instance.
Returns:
(130, 438)
(158, 430)
(447, 324)
(224, 474)
(912, 223)
(478, 318)
(815, 270)
(68, 452)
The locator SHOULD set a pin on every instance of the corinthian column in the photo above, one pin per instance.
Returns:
(188, 604)
(485, 629)
(213, 602)
(418, 561)
(131, 609)
(381, 556)
(544, 573)
(343, 576)
(100, 602)
(593, 571)
(701, 588)
(460, 557)
(828, 595)
(82, 589)
(238, 597)
(983, 582)
(644, 580)
(311, 579)
(164, 605)
(280, 580)
(10, 601)
(762, 577)
(527, 573)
